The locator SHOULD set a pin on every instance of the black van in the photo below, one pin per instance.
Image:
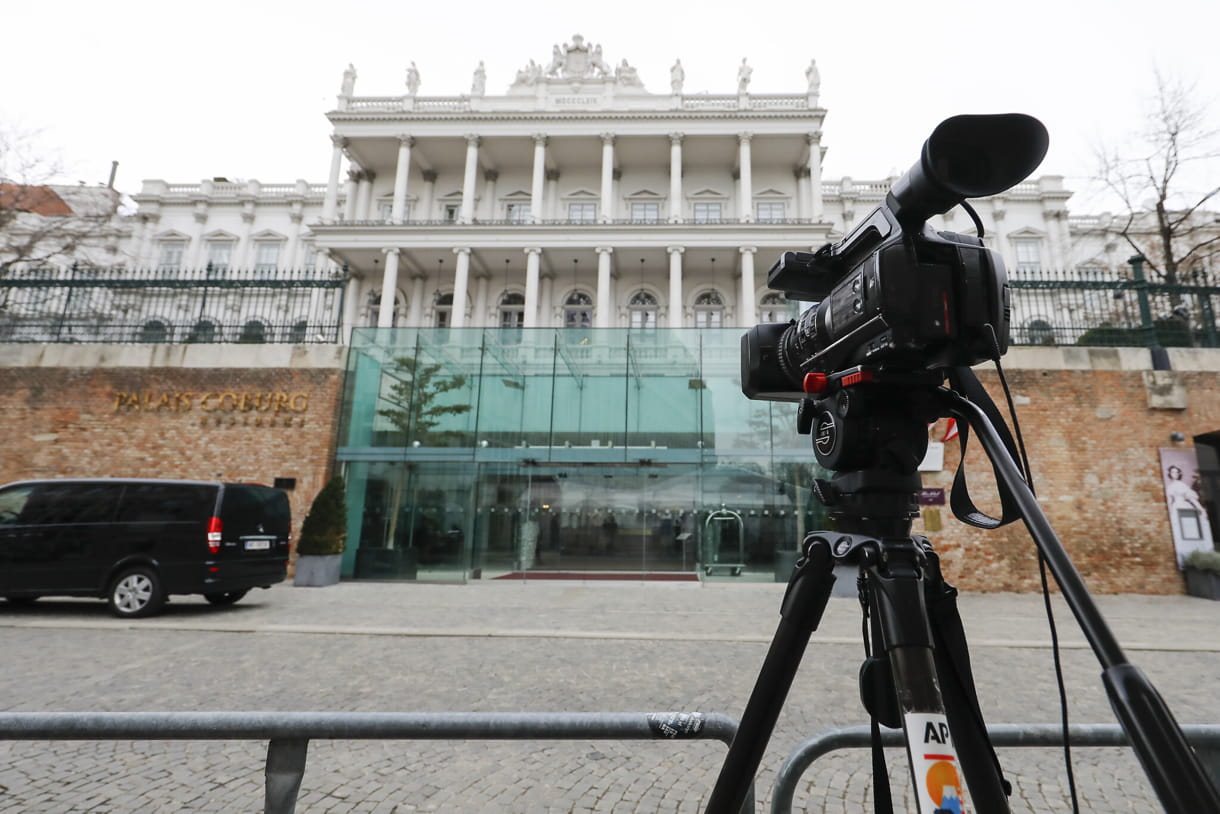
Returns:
(135, 542)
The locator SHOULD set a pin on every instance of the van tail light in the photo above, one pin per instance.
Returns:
(214, 529)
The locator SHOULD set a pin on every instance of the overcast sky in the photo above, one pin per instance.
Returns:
(239, 89)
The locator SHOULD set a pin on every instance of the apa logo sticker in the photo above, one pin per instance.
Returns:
(934, 760)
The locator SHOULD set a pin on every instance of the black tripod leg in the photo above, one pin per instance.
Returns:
(804, 603)
(980, 765)
(896, 579)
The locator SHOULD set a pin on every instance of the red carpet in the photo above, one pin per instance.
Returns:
(636, 576)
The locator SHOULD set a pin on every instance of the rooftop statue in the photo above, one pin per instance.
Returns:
(412, 80)
(743, 76)
(676, 77)
(349, 81)
(479, 86)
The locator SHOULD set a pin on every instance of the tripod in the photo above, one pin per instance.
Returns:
(870, 428)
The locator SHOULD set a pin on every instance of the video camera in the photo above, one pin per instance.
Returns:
(893, 293)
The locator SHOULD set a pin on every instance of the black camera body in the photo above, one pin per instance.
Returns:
(895, 294)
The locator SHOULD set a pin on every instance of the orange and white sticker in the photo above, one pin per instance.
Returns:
(938, 779)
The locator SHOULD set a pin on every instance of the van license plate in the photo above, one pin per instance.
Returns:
(258, 545)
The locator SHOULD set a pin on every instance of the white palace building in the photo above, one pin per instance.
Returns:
(578, 198)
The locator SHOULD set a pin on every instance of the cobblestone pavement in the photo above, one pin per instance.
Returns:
(539, 646)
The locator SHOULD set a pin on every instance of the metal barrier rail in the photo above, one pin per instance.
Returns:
(1205, 739)
(289, 733)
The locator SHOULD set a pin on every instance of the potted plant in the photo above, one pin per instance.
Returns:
(320, 546)
(1203, 574)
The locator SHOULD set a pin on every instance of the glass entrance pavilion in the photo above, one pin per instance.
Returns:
(508, 453)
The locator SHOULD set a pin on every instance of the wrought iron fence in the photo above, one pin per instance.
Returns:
(172, 305)
(1105, 307)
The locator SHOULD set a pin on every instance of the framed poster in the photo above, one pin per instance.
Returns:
(1187, 517)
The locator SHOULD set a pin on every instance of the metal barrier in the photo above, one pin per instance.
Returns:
(1205, 739)
(289, 733)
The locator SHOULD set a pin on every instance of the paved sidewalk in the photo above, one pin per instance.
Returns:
(538, 646)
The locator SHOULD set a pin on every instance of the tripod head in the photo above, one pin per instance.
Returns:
(870, 427)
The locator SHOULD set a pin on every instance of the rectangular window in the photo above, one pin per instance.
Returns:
(267, 255)
(707, 212)
(385, 209)
(169, 253)
(220, 253)
(1029, 254)
(770, 211)
(708, 319)
(451, 212)
(582, 212)
(517, 212)
(645, 212)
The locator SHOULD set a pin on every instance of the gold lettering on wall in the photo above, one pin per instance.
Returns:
(229, 402)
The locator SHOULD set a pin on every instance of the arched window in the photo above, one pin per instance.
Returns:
(512, 310)
(1039, 332)
(375, 309)
(709, 310)
(253, 332)
(578, 310)
(154, 330)
(202, 331)
(776, 308)
(299, 332)
(642, 308)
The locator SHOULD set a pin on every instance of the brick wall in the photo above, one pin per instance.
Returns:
(81, 416)
(1092, 431)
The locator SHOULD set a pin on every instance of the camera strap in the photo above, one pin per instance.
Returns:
(963, 380)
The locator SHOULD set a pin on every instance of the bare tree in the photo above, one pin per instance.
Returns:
(1166, 180)
(44, 223)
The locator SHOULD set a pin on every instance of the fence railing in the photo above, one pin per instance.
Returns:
(212, 304)
(288, 733)
(1104, 307)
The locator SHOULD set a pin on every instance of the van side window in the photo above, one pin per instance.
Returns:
(72, 503)
(167, 503)
(12, 501)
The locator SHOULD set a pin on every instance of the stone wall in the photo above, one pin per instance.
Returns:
(232, 413)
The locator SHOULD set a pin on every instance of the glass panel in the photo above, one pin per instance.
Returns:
(483, 453)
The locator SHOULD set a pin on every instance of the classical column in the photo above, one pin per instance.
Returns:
(815, 177)
(489, 193)
(538, 178)
(400, 178)
(803, 204)
(349, 196)
(479, 317)
(330, 203)
(1057, 220)
(425, 203)
(675, 286)
(607, 177)
(745, 309)
(365, 207)
(468, 182)
(461, 282)
(604, 298)
(533, 258)
(745, 203)
(415, 308)
(546, 299)
(389, 289)
(552, 194)
(675, 177)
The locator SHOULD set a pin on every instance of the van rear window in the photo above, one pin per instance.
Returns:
(246, 508)
(167, 503)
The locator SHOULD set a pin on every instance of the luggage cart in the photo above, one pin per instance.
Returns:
(714, 529)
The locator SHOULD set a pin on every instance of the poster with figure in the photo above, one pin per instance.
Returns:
(1187, 517)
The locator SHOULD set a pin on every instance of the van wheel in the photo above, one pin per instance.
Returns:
(21, 601)
(136, 592)
(226, 597)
